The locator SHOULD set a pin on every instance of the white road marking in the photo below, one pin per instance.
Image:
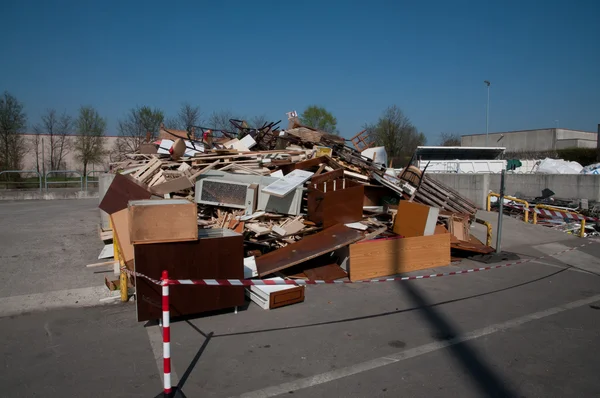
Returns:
(326, 377)
(82, 297)
(576, 258)
(156, 343)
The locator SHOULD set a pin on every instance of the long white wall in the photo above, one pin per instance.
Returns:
(566, 186)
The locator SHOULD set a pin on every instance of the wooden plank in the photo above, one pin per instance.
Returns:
(309, 247)
(385, 257)
(153, 221)
(102, 264)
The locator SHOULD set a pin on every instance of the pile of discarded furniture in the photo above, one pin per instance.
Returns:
(268, 203)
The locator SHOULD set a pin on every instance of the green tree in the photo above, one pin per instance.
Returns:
(319, 118)
(133, 129)
(13, 122)
(89, 142)
(397, 134)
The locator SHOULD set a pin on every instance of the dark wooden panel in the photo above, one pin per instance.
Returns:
(329, 203)
(309, 247)
(329, 176)
(121, 191)
(206, 258)
(327, 272)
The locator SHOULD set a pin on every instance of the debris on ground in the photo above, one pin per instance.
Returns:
(270, 203)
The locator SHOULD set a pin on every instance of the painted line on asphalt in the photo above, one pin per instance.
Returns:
(156, 343)
(69, 298)
(327, 377)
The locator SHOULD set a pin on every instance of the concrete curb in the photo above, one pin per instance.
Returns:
(36, 195)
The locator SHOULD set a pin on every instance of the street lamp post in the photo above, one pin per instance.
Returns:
(487, 112)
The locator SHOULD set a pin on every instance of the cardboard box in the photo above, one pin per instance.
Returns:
(168, 220)
(384, 257)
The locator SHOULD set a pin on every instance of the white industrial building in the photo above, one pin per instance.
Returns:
(533, 140)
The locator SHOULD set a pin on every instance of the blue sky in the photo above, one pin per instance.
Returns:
(269, 57)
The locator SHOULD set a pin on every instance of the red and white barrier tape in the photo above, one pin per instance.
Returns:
(300, 282)
(165, 282)
(552, 213)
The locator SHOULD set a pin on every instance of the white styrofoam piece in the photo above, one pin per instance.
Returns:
(278, 174)
(164, 146)
(288, 183)
(248, 141)
(250, 270)
(357, 225)
(108, 251)
(431, 221)
(378, 152)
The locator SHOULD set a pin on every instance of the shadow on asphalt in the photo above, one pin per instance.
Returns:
(483, 377)
(387, 313)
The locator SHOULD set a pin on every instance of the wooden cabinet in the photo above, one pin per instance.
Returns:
(217, 254)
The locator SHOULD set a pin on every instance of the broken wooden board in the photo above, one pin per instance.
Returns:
(121, 191)
(309, 247)
(384, 257)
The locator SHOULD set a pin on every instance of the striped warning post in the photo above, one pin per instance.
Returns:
(166, 334)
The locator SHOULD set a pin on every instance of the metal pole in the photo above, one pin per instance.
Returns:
(500, 210)
(487, 113)
(43, 161)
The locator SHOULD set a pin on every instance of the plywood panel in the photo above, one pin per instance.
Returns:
(153, 221)
(120, 223)
(217, 254)
(384, 257)
(414, 219)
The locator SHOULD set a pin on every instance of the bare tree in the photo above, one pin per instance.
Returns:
(259, 121)
(89, 142)
(397, 134)
(450, 139)
(187, 116)
(12, 123)
(133, 129)
(220, 120)
(57, 129)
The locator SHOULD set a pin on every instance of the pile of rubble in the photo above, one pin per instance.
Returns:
(269, 203)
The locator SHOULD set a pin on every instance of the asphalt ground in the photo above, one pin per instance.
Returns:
(530, 330)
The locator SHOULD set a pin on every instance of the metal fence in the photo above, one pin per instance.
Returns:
(80, 182)
(6, 172)
(93, 180)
